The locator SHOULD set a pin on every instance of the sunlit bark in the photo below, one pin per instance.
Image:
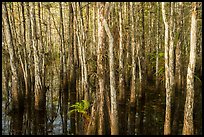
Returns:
(114, 112)
(133, 64)
(17, 123)
(100, 69)
(188, 128)
(167, 128)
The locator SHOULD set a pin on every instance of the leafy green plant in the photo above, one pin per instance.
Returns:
(80, 107)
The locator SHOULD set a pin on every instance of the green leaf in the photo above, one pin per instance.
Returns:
(74, 106)
(81, 111)
(80, 107)
(71, 111)
(85, 104)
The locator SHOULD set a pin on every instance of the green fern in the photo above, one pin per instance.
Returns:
(80, 107)
(85, 104)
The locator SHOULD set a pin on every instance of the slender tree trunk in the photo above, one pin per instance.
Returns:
(127, 61)
(178, 54)
(171, 59)
(91, 129)
(39, 93)
(177, 115)
(121, 96)
(132, 103)
(188, 128)
(61, 69)
(64, 83)
(73, 69)
(114, 112)
(93, 51)
(157, 45)
(167, 126)
(133, 67)
(171, 50)
(27, 77)
(83, 56)
(142, 74)
(41, 65)
(30, 97)
(81, 83)
(16, 95)
(100, 69)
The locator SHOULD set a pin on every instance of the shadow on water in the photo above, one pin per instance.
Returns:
(148, 117)
(150, 113)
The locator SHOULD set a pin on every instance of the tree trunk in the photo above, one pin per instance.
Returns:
(157, 45)
(39, 93)
(143, 73)
(177, 95)
(64, 84)
(27, 76)
(16, 94)
(100, 70)
(114, 112)
(121, 96)
(83, 56)
(167, 126)
(73, 69)
(188, 110)
(133, 67)
(132, 103)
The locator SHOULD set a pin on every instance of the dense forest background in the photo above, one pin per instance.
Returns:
(101, 68)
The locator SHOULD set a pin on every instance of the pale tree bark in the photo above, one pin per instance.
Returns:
(83, 53)
(30, 62)
(61, 77)
(83, 89)
(27, 71)
(133, 67)
(41, 46)
(92, 123)
(121, 96)
(100, 69)
(167, 82)
(188, 128)
(170, 75)
(114, 112)
(171, 60)
(16, 95)
(39, 93)
(13, 26)
(93, 47)
(121, 63)
(42, 112)
(132, 103)
(157, 45)
(171, 50)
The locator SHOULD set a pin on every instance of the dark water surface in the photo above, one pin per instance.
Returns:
(152, 113)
